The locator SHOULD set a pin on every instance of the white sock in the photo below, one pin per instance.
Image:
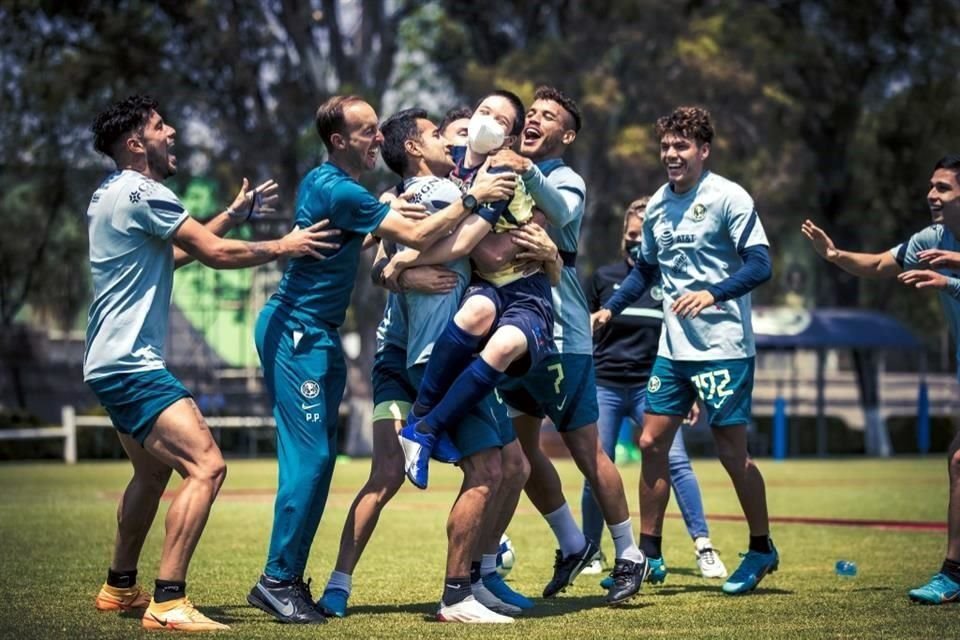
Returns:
(623, 542)
(488, 564)
(565, 528)
(340, 580)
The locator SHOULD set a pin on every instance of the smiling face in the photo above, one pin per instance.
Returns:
(683, 158)
(359, 144)
(549, 128)
(434, 148)
(943, 198)
(155, 146)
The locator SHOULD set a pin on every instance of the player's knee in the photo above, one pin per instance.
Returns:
(386, 481)
(515, 467)
(487, 471)
(953, 464)
(650, 446)
(506, 345)
(476, 315)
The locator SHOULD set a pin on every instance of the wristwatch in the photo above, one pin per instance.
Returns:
(469, 202)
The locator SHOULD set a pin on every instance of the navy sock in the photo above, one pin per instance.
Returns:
(951, 569)
(474, 572)
(760, 543)
(470, 387)
(121, 579)
(651, 545)
(456, 589)
(451, 354)
(167, 590)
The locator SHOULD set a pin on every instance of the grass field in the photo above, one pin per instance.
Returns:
(57, 525)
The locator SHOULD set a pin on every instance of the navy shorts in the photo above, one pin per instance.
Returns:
(135, 400)
(724, 386)
(563, 386)
(389, 376)
(527, 305)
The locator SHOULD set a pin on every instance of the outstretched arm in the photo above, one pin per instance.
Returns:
(863, 265)
(213, 251)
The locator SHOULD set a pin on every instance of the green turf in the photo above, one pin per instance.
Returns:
(56, 530)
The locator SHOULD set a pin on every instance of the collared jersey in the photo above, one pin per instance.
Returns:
(429, 313)
(131, 221)
(318, 291)
(695, 238)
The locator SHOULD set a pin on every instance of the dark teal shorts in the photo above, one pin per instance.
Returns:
(135, 400)
(562, 386)
(725, 388)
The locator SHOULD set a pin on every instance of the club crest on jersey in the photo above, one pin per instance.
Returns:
(310, 389)
(653, 384)
(699, 212)
(656, 292)
(134, 197)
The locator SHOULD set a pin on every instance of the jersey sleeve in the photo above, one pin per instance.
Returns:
(648, 243)
(440, 195)
(928, 238)
(157, 211)
(560, 195)
(356, 209)
(743, 222)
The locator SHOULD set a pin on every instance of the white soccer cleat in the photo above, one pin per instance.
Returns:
(492, 602)
(711, 566)
(595, 568)
(470, 611)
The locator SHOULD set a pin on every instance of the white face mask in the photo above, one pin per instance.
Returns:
(484, 134)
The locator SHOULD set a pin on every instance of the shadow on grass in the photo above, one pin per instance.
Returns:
(544, 608)
(705, 588)
(233, 613)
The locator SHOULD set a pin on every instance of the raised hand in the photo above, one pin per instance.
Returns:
(255, 203)
(493, 187)
(940, 258)
(310, 241)
(923, 278)
(821, 242)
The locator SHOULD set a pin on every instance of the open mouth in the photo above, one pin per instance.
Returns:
(532, 134)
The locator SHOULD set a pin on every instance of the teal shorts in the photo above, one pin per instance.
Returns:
(487, 426)
(725, 387)
(562, 386)
(135, 400)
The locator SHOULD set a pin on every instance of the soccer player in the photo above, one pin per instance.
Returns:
(298, 341)
(414, 149)
(928, 260)
(704, 233)
(624, 351)
(454, 125)
(562, 386)
(139, 233)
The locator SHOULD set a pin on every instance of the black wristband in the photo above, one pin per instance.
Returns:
(376, 272)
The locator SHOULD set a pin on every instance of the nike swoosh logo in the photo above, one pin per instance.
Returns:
(163, 623)
(285, 609)
(562, 404)
(453, 586)
(307, 407)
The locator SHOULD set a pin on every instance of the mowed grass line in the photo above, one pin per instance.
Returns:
(57, 527)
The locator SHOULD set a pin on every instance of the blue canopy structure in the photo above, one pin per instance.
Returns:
(865, 332)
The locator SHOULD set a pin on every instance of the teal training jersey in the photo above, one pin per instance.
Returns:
(131, 221)
(429, 313)
(560, 193)
(935, 236)
(318, 291)
(696, 238)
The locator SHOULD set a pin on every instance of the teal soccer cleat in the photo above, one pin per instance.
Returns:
(752, 569)
(333, 602)
(495, 584)
(940, 590)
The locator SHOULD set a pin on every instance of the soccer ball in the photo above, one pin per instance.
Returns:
(506, 556)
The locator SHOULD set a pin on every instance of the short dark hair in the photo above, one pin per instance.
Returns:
(687, 122)
(562, 99)
(517, 105)
(119, 119)
(330, 118)
(951, 162)
(399, 128)
(456, 113)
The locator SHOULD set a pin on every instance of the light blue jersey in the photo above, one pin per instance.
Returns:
(560, 193)
(935, 236)
(131, 220)
(318, 291)
(429, 313)
(392, 330)
(696, 238)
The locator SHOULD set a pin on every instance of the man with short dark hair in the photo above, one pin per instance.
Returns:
(929, 259)
(139, 233)
(704, 233)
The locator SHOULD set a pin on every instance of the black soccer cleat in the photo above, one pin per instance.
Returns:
(566, 570)
(628, 577)
(286, 600)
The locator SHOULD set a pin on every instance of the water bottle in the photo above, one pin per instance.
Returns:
(846, 569)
